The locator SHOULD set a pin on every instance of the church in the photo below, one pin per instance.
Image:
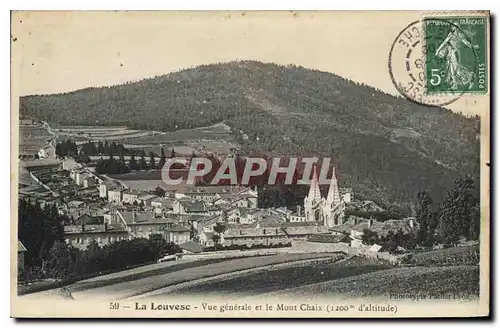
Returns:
(330, 210)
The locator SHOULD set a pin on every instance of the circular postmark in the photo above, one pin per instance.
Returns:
(418, 48)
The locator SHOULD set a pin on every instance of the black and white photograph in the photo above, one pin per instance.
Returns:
(267, 164)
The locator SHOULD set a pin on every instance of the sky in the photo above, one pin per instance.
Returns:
(56, 52)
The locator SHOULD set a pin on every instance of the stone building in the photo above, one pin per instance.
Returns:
(80, 236)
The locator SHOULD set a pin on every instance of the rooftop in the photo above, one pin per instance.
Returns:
(382, 228)
(20, 247)
(146, 197)
(111, 183)
(178, 228)
(165, 201)
(132, 192)
(192, 205)
(192, 247)
(252, 230)
(92, 228)
(305, 230)
(144, 218)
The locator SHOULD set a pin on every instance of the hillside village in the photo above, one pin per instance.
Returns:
(92, 206)
(106, 210)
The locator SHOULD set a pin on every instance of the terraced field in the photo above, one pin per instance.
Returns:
(216, 138)
(284, 278)
(447, 256)
(32, 138)
(450, 282)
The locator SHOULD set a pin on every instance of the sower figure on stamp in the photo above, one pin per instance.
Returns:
(456, 73)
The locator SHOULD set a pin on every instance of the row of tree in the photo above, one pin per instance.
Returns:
(391, 241)
(104, 148)
(39, 228)
(66, 148)
(66, 262)
(118, 166)
(458, 216)
(111, 166)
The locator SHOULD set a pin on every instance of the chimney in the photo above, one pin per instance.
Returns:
(299, 209)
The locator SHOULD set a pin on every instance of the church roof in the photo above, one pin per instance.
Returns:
(314, 192)
(333, 192)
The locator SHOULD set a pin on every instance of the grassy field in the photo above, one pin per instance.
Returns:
(465, 255)
(215, 138)
(174, 266)
(32, 138)
(451, 282)
(216, 132)
(289, 277)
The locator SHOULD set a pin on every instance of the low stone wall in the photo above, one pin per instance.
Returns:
(302, 246)
(385, 256)
(236, 253)
(299, 247)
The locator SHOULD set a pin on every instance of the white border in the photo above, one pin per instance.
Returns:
(428, 5)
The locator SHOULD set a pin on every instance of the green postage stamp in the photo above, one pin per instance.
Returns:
(456, 54)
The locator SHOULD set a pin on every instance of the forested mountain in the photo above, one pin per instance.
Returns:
(386, 148)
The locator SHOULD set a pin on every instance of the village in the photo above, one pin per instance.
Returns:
(200, 218)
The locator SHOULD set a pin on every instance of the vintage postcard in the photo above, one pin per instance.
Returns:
(250, 164)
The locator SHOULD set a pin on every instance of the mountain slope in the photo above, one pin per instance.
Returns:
(385, 147)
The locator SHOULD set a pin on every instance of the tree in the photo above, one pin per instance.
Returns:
(152, 164)
(459, 215)
(219, 230)
(59, 262)
(193, 234)
(475, 224)
(132, 164)
(99, 147)
(38, 229)
(122, 157)
(271, 196)
(215, 239)
(425, 217)
(160, 192)
(370, 237)
(142, 163)
(163, 159)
